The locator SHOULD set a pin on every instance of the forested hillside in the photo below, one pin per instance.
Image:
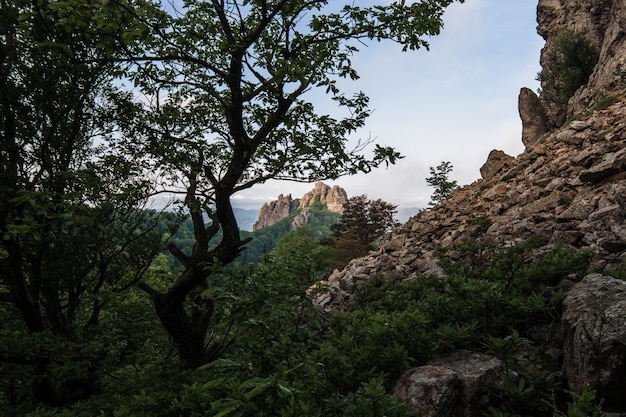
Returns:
(262, 241)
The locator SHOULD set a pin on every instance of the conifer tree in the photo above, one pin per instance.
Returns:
(362, 224)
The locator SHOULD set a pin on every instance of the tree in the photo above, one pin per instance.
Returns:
(220, 105)
(71, 234)
(439, 178)
(302, 254)
(225, 86)
(362, 223)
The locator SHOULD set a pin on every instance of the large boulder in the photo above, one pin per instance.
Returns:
(594, 351)
(495, 162)
(456, 385)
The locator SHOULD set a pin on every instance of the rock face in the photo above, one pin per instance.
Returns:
(275, 211)
(602, 22)
(567, 187)
(594, 352)
(333, 197)
(495, 162)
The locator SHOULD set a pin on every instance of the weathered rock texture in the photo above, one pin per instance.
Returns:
(332, 197)
(603, 23)
(456, 385)
(495, 162)
(568, 186)
(533, 115)
(594, 352)
(275, 211)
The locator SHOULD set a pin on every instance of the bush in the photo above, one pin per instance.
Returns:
(574, 59)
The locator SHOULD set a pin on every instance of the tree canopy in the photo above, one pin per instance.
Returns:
(71, 230)
(226, 108)
(363, 222)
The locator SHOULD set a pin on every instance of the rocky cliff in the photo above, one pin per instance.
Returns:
(567, 187)
(602, 23)
(332, 197)
(275, 211)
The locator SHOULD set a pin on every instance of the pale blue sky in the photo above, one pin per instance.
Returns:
(454, 103)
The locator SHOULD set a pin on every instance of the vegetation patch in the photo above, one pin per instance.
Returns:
(572, 62)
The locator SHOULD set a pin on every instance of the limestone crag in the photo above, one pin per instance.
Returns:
(332, 197)
(602, 22)
(570, 187)
(275, 211)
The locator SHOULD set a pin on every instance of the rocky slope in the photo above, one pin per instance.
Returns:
(570, 187)
(270, 213)
(567, 187)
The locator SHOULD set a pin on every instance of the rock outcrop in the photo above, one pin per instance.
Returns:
(602, 23)
(594, 324)
(275, 211)
(332, 197)
(569, 187)
(450, 385)
(495, 162)
(533, 115)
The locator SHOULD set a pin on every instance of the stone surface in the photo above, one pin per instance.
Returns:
(275, 211)
(567, 192)
(533, 115)
(495, 162)
(568, 187)
(333, 197)
(456, 385)
(602, 22)
(594, 350)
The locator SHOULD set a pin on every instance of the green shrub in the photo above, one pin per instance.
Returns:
(574, 58)
(584, 404)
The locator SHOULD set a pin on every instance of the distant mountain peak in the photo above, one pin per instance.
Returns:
(332, 197)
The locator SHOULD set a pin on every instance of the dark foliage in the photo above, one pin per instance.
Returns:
(362, 224)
